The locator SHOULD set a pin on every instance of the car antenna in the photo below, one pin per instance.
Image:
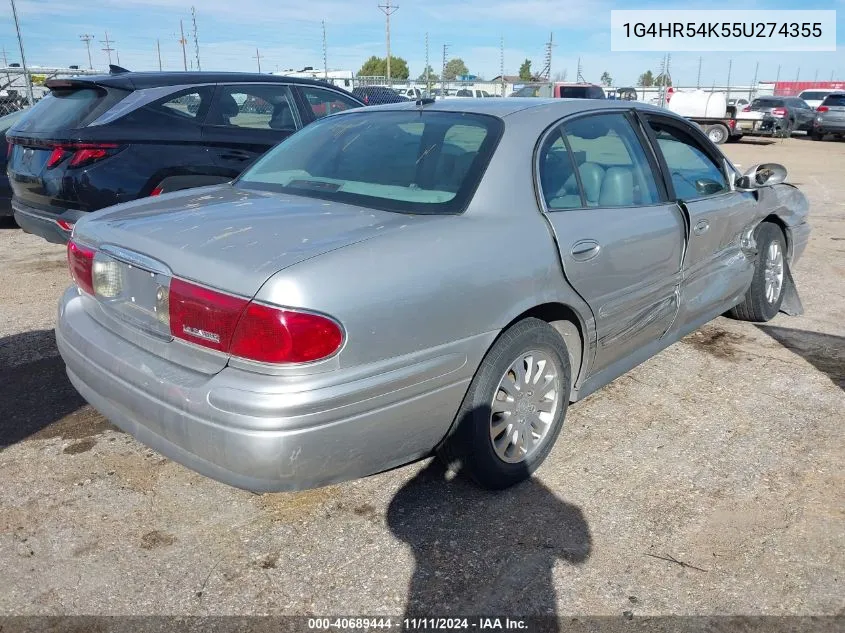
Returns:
(424, 101)
(117, 70)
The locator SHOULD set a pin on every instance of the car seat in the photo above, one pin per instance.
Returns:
(282, 118)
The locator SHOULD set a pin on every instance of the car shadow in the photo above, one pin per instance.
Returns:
(38, 400)
(8, 222)
(479, 552)
(825, 352)
(757, 140)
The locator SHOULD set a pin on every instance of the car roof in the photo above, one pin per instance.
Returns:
(139, 80)
(503, 107)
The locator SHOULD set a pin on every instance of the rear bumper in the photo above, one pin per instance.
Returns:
(44, 223)
(829, 127)
(268, 433)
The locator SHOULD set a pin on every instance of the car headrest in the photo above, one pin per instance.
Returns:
(591, 177)
(617, 189)
(228, 106)
(282, 118)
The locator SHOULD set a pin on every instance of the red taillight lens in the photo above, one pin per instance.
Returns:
(273, 335)
(80, 261)
(203, 316)
(56, 156)
(88, 155)
(249, 330)
(779, 112)
(9, 150)
(747, 108)
(64, 225)
(157, 191)
(822, 109)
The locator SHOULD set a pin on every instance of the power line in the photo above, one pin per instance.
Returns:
(196, 41)
(258, 57)
(87, 39)
(388, 10)
(183, 42)
(108, 49)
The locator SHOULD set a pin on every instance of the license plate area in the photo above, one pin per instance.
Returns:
(133, 289)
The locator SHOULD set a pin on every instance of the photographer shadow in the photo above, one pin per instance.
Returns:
(480, 552)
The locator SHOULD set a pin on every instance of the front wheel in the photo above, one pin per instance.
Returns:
(514, 408)
(763, 299)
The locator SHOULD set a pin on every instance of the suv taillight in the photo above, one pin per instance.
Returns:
(80, 261)
(81, 154)
(822, 108)
(249, 330)
(747, 108)
(779, 112)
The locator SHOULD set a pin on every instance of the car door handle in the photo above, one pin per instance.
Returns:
(701, 227)
(584, 250)
(236, 155)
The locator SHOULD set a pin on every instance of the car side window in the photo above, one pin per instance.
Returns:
(325, 102)
(263, 107)
(612, 165)
(694, 173)
(190, 104)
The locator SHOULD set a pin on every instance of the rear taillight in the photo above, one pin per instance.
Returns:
(273, 335)
(81, 154)
(249, 330)
(80, 261)
(822, 109)
(64, 225)
(747, 108)
(157, 191)
(779, 112)
(9, 150)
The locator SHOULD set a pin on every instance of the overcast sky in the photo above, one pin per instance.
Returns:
(289, 35)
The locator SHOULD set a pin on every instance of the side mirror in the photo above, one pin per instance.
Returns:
(764, 175)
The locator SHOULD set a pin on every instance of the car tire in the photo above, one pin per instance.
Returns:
(763, 299)
(481, 442)
(717, 133)
(817, 136)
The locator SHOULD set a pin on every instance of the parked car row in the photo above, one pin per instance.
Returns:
(98, 141)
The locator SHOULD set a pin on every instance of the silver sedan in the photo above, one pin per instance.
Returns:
(422, 277)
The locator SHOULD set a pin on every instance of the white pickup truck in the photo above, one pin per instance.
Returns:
(464, 93)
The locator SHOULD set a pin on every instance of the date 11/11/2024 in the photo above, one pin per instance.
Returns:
(419, 624)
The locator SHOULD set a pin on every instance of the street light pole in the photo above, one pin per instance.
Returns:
(23, 59)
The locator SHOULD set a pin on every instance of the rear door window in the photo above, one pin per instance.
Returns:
(262, 107)
(68, 109)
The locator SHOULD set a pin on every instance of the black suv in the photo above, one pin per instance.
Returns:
(98, 141)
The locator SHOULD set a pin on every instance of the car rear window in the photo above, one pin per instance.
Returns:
(67, 109)
(813, 96)
(404, 161)
(574, 93)
(834, 100)
(767, 103)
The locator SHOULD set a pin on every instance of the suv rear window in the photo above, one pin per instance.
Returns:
(834, 100)
(813, 96)
(767, 103)
(67, 109)
(405, 161)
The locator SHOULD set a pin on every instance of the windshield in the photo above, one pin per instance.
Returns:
(409, 161)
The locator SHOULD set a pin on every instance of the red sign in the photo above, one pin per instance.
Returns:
(792, 88)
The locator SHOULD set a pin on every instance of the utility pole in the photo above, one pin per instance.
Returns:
(183, 41)
(117, 52)
(27, 78)
(108, 49)
(196, 41)
(730, 66)
(753, 88)
(798, 74)
(443, 71)
(578, 74)
(87, 39)
(158, 48)
(777, 77)
(698, 81)
(427, 66)
(816, 76)
(502, 62)
(258, 57)
(325, 54)
(388, 10)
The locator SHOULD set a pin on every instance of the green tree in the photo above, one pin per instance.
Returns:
(663, 80)
(646, 79)
(455, 67)
(525, 70)
(432, 76)
(606, 79)
(377, 67)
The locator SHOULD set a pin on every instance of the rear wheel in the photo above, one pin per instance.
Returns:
(816, 136)
(514, 408)
(764, 297)
(717, 133)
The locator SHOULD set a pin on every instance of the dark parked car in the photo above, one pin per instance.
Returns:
(830, 117)
(377, 95)
(98, 141)
(5, 191)
(787, 113)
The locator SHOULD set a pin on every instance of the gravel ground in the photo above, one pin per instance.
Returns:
(724, 453)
